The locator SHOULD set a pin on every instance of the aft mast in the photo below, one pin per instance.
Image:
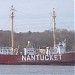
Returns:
(12, 29)
(54, 28)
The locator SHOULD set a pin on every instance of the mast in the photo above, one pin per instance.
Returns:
(12, 28)
(54, 28)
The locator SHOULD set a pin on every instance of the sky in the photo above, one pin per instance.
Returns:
(36, 15)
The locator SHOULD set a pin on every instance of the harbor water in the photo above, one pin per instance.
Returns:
(36, 70)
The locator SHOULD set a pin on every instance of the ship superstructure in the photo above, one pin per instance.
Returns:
(59, 49)
(6, 50)
(29, 50)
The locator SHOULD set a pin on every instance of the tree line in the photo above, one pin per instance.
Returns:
(38, 39)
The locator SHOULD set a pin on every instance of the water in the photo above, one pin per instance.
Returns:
(36, 70)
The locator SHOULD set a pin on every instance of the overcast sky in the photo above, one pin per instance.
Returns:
(33, 15)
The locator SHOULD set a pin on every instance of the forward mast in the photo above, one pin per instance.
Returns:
(12, 28)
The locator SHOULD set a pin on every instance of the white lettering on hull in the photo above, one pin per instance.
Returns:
(32, 57)
(28, 57)
(55, 57)
(23, 57)
(46, 57)
(60, 56)
(51, 57)
(37, 57)
(41, 57)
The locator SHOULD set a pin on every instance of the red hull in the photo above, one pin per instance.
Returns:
(67, 59)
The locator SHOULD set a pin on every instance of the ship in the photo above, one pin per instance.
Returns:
(56, 55)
